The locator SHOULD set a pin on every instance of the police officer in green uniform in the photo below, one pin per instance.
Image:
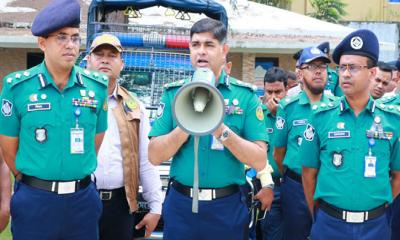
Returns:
(348, 149)
(52, 121)
(292, 117)
(275, 85)
(222, 211)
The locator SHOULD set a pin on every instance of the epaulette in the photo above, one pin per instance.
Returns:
(388, 107)
(386, 99)
(284, 102)
(15, 78)
(331, 97)
(175, 84)
(239, 83)
(324, 106)
(96, 76)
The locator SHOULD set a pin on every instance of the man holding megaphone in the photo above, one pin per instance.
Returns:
(229, 135)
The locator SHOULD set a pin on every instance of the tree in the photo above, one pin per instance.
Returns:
(285, 4)
(328, 10)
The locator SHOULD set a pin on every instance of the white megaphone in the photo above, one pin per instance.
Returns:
(198, 106)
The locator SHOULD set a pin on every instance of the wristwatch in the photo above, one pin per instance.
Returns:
(225, 134)
(269, 186)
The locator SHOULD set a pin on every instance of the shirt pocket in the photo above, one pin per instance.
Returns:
(42, 132)
(381, 150)
(337, 155)
(235, 123)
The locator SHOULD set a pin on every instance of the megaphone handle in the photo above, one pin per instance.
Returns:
(195, 195)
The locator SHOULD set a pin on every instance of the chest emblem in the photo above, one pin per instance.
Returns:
(280, 123)
(41, 135)
(337, 159)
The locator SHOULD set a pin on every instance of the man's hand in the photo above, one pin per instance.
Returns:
(266, 196)
(4, 216)
(272, 105)
(150, 221)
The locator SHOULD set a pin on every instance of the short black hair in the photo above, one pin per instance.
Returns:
(291, 75)
(385, 67)
(215, 27)
(276, 74)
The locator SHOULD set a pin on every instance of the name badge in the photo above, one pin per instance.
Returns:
(38, 107)
(299, 122)
(216, 144)
(339, 134)
(370, 166)
(77, 143)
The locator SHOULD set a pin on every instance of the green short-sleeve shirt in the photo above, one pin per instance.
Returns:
(36, 112)
(269, 124)
(217, 168)
(292, 117)
(337, 144)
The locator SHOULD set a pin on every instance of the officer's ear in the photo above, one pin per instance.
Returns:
(225, 49)
(123, 64)
(372, 74)
(42, 43)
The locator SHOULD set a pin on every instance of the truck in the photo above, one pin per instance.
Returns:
(154, 53)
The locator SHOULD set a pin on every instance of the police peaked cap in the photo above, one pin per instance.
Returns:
(362, 42)
(56, 15)
(324, 47)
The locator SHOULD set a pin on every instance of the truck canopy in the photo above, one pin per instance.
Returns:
(210, 8)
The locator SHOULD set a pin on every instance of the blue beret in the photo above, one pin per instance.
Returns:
(56, 15)
(324, 47)
(310, 54)
(362, 42)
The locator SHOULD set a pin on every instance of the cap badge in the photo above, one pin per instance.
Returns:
(315, 51)
(356, 43)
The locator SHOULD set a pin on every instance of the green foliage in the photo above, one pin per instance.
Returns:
(328, 10)
(285, 4)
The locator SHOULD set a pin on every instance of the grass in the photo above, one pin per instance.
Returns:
(6, 235)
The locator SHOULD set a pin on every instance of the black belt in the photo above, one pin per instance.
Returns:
(277, 181)
(59, 187)
(106, 194)
(206, 194)
(350, 216)
(293, 175)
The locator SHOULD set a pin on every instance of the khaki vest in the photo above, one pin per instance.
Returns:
(128, 120)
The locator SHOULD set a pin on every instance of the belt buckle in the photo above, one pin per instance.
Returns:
(105, 195)
(354, 217)
(65, 187)
(204, 194)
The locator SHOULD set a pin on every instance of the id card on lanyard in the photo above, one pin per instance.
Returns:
(77, 133)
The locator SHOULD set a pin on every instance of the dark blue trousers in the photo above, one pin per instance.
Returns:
(297, 220)
(327, 227)
(43, 215)
(224, 218)
(395, 218)
(271, 225)
(117, 222)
